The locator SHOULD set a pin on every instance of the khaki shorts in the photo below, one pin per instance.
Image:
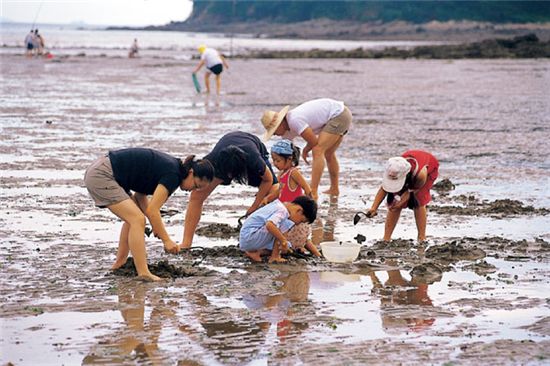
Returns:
(340, 124)
(101, 183)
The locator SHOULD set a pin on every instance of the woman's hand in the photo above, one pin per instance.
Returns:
(305, 155)
(250, 211)
(171, 247)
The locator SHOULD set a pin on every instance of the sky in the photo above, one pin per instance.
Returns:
(96, 12)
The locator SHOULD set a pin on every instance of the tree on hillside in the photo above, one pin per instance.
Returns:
(289, 11)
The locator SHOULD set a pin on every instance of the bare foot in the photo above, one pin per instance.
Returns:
(149, 277)
(254, 256)
(276, 260)
(119, 263)
(315, 196)
(332, 192)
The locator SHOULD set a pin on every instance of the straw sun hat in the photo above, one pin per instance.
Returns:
(271, 121)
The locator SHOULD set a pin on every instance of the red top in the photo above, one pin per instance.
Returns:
(418, 160)
(287, 194)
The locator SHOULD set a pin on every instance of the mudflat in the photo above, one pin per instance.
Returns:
(475, 292)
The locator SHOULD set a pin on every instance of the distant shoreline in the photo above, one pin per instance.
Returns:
(528, 46)
(521, 47)
(325, 29)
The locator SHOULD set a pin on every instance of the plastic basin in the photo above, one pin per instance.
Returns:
(340, 252)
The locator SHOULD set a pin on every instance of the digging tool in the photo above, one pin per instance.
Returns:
(240, 223)
(357, 216)
(196, 83)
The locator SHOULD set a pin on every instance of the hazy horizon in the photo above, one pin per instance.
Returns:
(102, 13)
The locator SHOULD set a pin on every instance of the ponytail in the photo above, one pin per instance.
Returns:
(202, 168)
(295, 154)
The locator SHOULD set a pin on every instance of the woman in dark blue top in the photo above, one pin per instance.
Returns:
(238, 156)
(121, 182)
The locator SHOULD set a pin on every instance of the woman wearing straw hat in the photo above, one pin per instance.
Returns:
(322, 123)
(214, 62)
(238, 156)
(407, 182)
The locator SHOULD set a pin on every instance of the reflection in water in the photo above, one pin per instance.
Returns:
(211, 104)
(277, 309)
(397, 291)
(224, 334)
(138, 341)
(242, 336)
(325, 232)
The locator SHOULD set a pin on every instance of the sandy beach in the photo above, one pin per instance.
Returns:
(477, 293)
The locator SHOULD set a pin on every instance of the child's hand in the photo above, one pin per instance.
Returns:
(171, 247)
(284, 247)
(264, 202)
(372, 212)
(400, 202)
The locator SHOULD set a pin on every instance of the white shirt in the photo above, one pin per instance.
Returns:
(211, 57)
(29, 38)
(315, 114)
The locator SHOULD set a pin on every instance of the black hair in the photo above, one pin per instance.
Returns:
(309, 206)
(231, 165)
(413, 202)
(202, 168)
(295, 154)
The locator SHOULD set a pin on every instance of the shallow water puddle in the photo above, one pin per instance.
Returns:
(57, 337)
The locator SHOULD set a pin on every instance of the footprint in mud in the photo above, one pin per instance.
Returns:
(481, 268)
(162, 269)
(453, 252)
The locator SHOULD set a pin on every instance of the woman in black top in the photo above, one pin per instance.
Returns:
(121, 182)
(238, 156)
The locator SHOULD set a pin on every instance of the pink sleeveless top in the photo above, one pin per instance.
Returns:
(287, 194)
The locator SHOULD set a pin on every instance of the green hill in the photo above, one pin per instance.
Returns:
(289, 11)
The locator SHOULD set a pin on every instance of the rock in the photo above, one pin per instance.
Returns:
(444, 185)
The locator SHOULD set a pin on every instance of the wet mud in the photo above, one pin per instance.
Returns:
(454, 252)
(497, 208)
(221, 231)
(163, 269)
(475, 291)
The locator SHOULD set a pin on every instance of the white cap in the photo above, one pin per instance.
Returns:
(395, 174)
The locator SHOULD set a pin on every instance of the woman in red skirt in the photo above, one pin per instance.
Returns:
(407, 182)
